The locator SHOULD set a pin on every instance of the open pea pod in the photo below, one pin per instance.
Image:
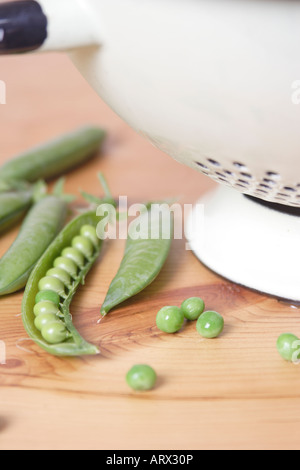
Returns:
(75, 250)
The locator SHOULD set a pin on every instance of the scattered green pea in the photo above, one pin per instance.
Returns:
(210, 325)
(60, 274)
(192, 308)
(48, 295)
(55, 332)
(84, 246)
(45, 307)
(287, 346)
(67, 265)
(44, 319)
(141, 378)
(170, 319)
(88, 231)
(51, 283)
(74, 255)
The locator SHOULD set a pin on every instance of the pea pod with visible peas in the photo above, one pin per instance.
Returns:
(40, 227)
(144, 257)
(53, 158)
(48, 295)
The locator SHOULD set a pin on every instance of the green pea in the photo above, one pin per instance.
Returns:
(88, 231)
(84, 246)
(141, 378)
(170, 319)
(44, 319)
(210, 325)
(67, 265)
(192, 308)
(51, 283)
(287, 346)
(45, 307)
(48, 295)
(74, 255)
(55, 332)
(60, 274)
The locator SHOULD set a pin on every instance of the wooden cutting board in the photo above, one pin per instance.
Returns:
(231, 393)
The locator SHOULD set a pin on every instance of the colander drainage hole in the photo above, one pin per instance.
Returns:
(273, 175)
(239, 165)
(202, 165)
(246, 175)
(287, 188)
(245, 183)
(213, 162)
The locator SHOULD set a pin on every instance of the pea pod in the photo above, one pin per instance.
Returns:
(13, 206)
(144, 257)
(40, 227)
(53, 158)
(60, 337)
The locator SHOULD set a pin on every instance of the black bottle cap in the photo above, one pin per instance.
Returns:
(23, 26)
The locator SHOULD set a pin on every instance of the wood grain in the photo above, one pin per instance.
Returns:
(231, 393)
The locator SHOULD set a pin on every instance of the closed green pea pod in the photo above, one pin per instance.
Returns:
(54, 158)
(144, 257)
(64, 340)
(13, 206)
(39, 228)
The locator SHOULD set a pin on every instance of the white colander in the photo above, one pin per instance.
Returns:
(215, 84)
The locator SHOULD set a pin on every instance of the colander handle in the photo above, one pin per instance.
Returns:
(28, 25)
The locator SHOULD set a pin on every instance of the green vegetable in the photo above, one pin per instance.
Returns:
(45, 307)
(13, 206)
(288, 345)
(192, 308)
(55, 157)
(48, 295)
(141, 378)
(44, 319)
(74, 255)
(83, 245)
(170, 319)
(53, 284)
(90, 233)
(40, 227)
(60, 274)
(67, 265)
(143, 260)
(210, 325)
(59, 338)
(55, 332)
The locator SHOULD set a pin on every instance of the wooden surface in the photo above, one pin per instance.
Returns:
(231, 393)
